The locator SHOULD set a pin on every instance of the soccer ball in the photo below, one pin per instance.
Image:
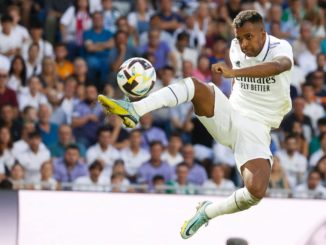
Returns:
(136, 77)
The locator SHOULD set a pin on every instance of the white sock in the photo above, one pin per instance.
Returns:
(239, 200)
(172, 95)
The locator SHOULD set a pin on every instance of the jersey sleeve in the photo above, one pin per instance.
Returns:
(282, 49)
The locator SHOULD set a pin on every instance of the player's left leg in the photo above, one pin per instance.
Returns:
(256, 175)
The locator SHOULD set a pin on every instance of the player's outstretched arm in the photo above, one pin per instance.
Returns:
(264, 69)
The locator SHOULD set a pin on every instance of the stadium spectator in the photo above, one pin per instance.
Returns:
(317, 78)
(48, 130)
(69, 99)
(155, 23)
(300, 44)
(33, 67)
(120, 53)
(314, 144)
(297, 131)
(203, 71)
(314, 14)
(151, 133)
(120, 135)
(196, 37)
(75, 20)
(312, 188)
(160, 49)
(17, 176)
(119, 181)
(321, 168)
(181, 185)
(9, 41)
(183, 52)
(123, 25)
(21, 145)
(298, 115)
(7, 95)
(17, 74)
(33, 96)
(172, 153)
(8, 119)
(307, 59)
(103, 151)
(87, 117)
(64, 67)
(69, 167)
(46, 182)
(54, 10)
(278, 179)
(29, 114)
(293, 16)
(139, 19)
(81, 71)
(7, 159)
(170, 19)
(33, 157)
(53, 87)
(45, 48)
(321, 62)
(312, 108)
(19, 31)
(197, 174)
(65, 138)
(93, 181)
(293, 162)
(155, 166)
(316, 156)
(219, 51)
(234, 7)
(98, 42)
(111, 15)
(134, 155)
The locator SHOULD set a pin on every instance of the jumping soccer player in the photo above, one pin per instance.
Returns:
(261, 71)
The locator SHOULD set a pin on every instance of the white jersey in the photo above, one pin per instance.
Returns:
(266, 99)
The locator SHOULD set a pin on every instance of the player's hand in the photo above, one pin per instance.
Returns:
(222, 68)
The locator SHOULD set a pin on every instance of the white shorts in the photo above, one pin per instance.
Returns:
(247, 138)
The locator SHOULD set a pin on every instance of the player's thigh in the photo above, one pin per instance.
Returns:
(203, 100)
(219, 125)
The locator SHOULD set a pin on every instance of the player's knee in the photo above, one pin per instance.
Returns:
(256, 190)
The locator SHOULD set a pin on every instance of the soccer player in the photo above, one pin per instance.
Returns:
(261, 71)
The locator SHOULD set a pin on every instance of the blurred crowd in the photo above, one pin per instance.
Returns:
(56, 56)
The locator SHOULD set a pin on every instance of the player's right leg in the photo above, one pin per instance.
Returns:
(185, 90)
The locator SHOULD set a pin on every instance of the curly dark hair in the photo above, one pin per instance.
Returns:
(251, 16)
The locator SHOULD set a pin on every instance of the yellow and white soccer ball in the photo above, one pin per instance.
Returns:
(136, 77)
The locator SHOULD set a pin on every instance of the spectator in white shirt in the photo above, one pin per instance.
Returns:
(33, 158)
(103, 151)
(45, 48)
(312, 188)
(17, 176)
(92, 182)
(119, 181)
(183, 52)
(20, 146)
(19, 31)
(33, 96)
(312, 109)
(307, 60)
(134, 156)
(9, 43)
(293, 162)
(46, 182)
(69, 99)
(172, 154)
(315, 157)
(33, 66)
(217, 183)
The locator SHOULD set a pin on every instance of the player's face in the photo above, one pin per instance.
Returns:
(251, 37)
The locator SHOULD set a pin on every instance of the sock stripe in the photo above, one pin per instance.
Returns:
(235, 200)
(174, 95)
